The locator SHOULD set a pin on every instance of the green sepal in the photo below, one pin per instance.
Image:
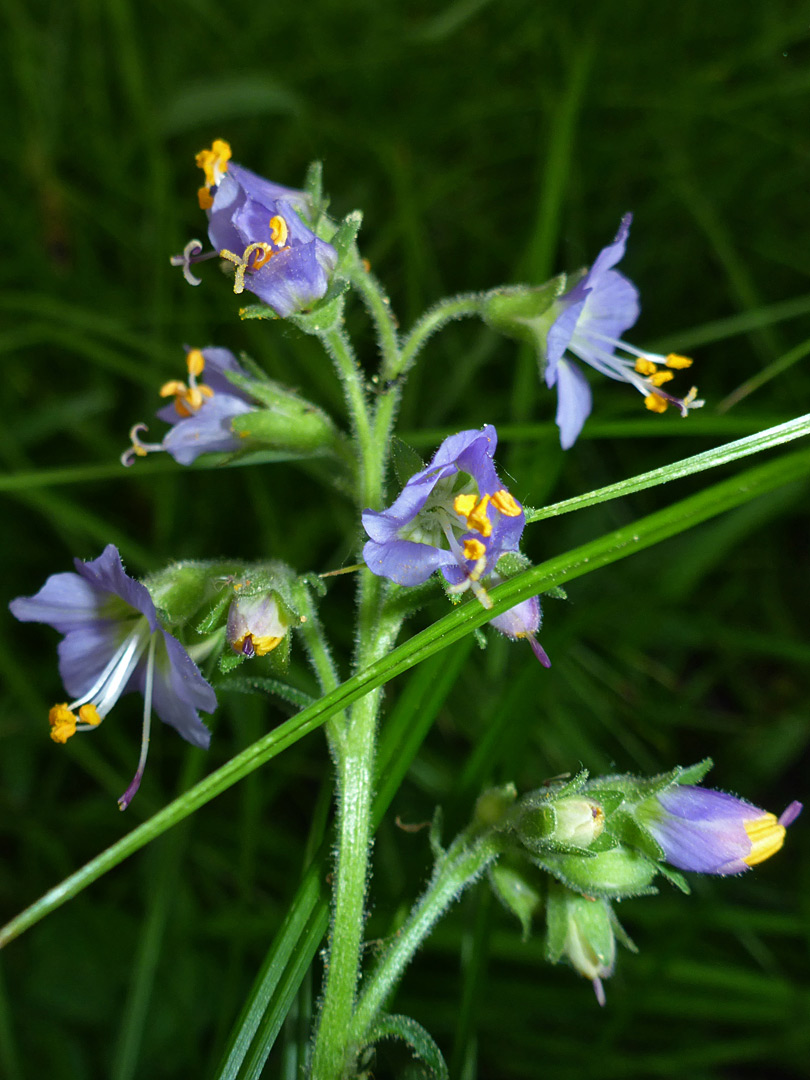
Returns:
(480, 638)
(345, 236)
(420, 1042)
(257, 311)
(693, 774)
(287, 422)
(182, 588)
(214, 614)
(616, 873)
(511, 563)
(314, 582)
(516, 892)
(327, 313)
(313, 187)
(524, 312)
(632, 832)
(621, 934)
(405, 460)
(675, 878)
(229, 660)
(557, 593)
(555, 789)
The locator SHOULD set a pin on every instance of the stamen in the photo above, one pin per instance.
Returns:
(656, 403)
(506, 504)
(474, 512)
(214, 162)
(88, 714)
(644, 366)
(254, 645)
(63, 723)
(678, 362)
(474, 549)
(278, 231)
(205, 198)
(661, 377)
(195, 362)
(138, 448)
(464, 504)
(135, 783)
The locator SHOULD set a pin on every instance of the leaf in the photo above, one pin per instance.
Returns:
(422, 1044)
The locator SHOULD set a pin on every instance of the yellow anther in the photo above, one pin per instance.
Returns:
(474, 549)
(506, 504)
(261, 646)
(678, 362)
(262, 258)
(766, 836)
(656, 403)
(645, 366)
(88, 714)
(205, 198)
(214, 162)
(172, 388)
(278, 230)
(464, 505)
(63, 723)
(661, 377)
(195, 362)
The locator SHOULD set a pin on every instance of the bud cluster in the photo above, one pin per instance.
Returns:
(575, 847)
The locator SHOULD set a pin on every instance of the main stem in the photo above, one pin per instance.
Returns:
(355, 750)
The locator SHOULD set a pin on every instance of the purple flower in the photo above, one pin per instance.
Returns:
(711, 832)
(454, 516)
(114, 645)
(589, 323)
(255, 224)
(201, 414)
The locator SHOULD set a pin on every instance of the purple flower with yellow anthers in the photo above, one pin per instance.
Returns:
(256, 624)
(255, 224)
(114, 645)
(201, 413)
(589, 323)
(454, 516)
(711, 832)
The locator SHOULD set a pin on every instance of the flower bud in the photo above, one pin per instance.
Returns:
(619, 871)
(256, 624)
(581, 931)
(574, 821)
(493, 805)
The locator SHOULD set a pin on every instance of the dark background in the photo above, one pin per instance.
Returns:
(487, 143)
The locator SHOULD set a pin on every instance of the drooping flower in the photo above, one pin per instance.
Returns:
(256, 624)
(589, 323)
(202, 412)
(582, 931)
(454, 516)
(113, 645)
(256, 225)
(711, 832)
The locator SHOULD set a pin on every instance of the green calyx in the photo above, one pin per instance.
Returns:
(524, 312)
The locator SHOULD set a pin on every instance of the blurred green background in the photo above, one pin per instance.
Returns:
(486, 142)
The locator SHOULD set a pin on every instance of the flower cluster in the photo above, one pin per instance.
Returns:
(589, 321)
(201, 412)
(113, 645)
(256, 226)
(454, 516)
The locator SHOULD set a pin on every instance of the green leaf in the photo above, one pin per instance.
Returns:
(422, 1044)
(265, 685)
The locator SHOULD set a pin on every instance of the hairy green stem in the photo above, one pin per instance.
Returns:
(379, 308)
(458, 867)
(466, 305)
(339, 347)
